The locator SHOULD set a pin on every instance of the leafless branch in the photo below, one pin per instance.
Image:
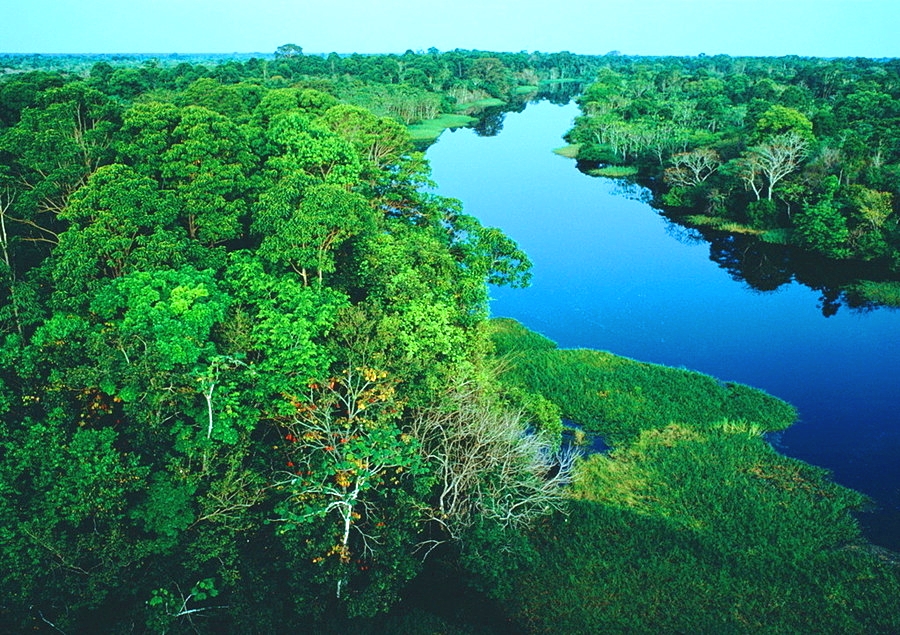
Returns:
(487, 464)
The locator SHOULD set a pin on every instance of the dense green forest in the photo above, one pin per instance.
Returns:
(792, 151)
(248, 382)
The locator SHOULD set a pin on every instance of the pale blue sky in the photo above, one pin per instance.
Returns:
(826, 28)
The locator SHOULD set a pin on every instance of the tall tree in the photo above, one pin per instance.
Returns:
(773, 160)
(305, 236)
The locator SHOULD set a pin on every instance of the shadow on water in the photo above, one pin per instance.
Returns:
(765, 266)
(558, 93)
(490, 119)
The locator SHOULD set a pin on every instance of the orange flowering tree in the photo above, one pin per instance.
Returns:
(349, 464)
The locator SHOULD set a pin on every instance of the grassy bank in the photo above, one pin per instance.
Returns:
(570, 151)
(886, 293)
(431, 129)
(723, 224)
(614, 171)
(692, 523)
(609, 171)
(620, 398)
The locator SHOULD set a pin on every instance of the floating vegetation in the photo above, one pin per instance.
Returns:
(723, 224)
(692, 522)
(614, 171)
(431, 129)
(570, 151)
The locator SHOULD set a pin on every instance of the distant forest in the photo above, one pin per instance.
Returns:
(794, 151)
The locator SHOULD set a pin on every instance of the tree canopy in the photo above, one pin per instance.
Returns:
(248, 383)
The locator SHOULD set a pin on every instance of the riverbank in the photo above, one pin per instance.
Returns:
(427, 132)
(692, 522)
(620, 399)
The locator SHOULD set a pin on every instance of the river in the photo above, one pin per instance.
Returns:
(613, 274)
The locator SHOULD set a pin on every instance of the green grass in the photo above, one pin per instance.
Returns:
(692, 523)
(720, 483)
(606, 568)
(565, 80)
(432, 128)
(725, 225)
(509, 336)
(776, 236)
(614, 171)
(619, 398)
(570, 151)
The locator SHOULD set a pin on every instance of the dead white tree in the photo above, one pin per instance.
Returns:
(690, 169)
(750, 172)
(487, 464)
(776, 158)
(6, 200)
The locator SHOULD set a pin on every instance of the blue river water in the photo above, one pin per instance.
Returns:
(611, 273)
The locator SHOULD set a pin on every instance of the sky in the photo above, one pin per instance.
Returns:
(821, 28)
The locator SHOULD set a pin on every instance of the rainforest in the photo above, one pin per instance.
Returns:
(250, 381)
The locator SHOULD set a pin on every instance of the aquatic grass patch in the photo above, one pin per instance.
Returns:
(563, 80)
(692, 522)
(509, 336)
(631, 572)
(431, 129)
(780, 236)
(722, 483)
(618, 398)
(479, 104)
(570, 151)
(614, 171)
(724, 224)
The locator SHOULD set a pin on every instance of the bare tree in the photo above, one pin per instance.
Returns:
(6, 200)
(690, 169)
(776, 158)
(487, 464)
(662, 137)
(750, 172)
